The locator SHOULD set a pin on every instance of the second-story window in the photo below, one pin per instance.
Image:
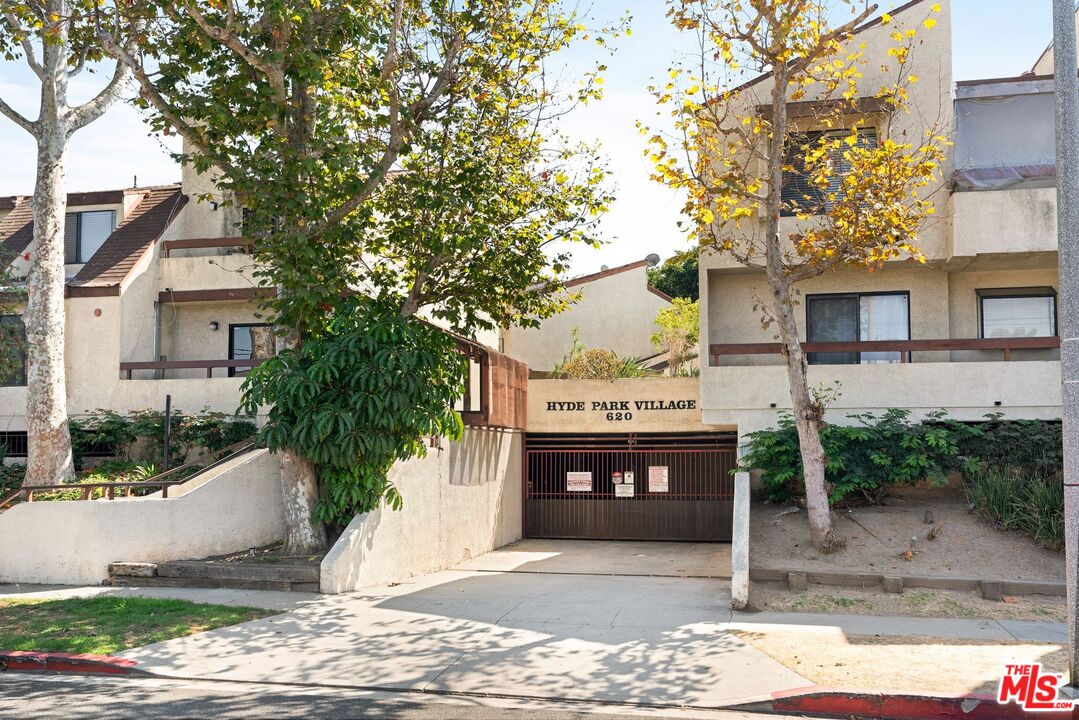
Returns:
(85, 232)
(800, 196)
(854, 318)
(1018, 312)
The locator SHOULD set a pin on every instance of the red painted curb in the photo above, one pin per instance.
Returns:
(887, 706)
(21, 661)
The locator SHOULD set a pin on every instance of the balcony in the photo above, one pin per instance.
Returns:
(1008, 221)
(206, 263)
(750, 397)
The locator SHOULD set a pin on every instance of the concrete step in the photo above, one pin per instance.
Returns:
(211, 570)
(135, 581)
(299, 576)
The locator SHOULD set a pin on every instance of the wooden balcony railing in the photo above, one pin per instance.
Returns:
(168, 246)
(904, 347)
(207, 365)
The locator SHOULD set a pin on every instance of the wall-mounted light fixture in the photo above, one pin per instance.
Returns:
(214, 205)
(214, 325)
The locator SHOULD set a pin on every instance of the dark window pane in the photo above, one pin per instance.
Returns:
(799, 195)
(247, 342)
(832, 319)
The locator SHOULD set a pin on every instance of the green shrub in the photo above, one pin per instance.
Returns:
(355, 401)
(1031, 504)
(863, 459)
(211, 431)
(1027, 447)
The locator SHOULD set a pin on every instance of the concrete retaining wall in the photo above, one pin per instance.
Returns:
(461, 501)
(234, 507)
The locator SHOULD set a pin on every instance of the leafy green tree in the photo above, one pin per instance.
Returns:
(401, 149)
(372, 387)
(678, 276)
(679, 329)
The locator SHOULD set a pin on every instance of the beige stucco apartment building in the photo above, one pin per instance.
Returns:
(613, 309)
(162, 294)
(974, 331)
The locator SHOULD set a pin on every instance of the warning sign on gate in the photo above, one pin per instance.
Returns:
(579, 482)
(659, 479)
(623, 490)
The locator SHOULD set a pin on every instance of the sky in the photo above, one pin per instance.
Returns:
(991, 38)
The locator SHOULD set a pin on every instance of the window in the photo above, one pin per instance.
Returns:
(1018, 312)
(801, 196)
(254, 340)
(85, 232)
(857, 317)
(13, 357)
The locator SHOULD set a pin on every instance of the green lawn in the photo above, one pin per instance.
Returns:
(105, 625)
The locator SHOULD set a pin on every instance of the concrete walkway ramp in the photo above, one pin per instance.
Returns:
(608, 557)
(592, 637)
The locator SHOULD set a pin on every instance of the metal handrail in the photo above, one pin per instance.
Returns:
(155, 481)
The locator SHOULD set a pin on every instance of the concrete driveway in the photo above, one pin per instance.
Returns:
(522, 627)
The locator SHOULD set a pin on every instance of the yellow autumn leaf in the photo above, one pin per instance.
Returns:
(885, 19)
(929, 23)
(936, 7)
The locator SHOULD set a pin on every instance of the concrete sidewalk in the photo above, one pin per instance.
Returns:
(891, 626)
(643, 640)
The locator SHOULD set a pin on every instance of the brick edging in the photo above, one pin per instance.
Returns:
(71, 663)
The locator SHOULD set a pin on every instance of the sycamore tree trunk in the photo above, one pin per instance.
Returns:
(304, 535)
(808, 414)
(299, 489)
(49, 457)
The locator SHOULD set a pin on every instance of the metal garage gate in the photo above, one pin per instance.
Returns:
(630, 487)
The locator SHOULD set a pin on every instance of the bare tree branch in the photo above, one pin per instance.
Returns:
(93, 109)
(27, 47)
(18, 118)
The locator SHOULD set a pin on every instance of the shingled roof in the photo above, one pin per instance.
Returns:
(138, 232)
(16, 229)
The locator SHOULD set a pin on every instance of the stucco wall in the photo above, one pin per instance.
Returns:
(744, 396)
(732, 297)
(1019, 220)
(74, 542)
(460, 502)
(583, 406)
(186, 333)
(616, 312)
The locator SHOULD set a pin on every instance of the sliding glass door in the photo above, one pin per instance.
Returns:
(857, 317)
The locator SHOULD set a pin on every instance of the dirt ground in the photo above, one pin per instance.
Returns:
(931, 665)
(913, 602)
(877, 536)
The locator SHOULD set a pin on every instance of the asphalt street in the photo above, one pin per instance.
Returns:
(53, 696)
